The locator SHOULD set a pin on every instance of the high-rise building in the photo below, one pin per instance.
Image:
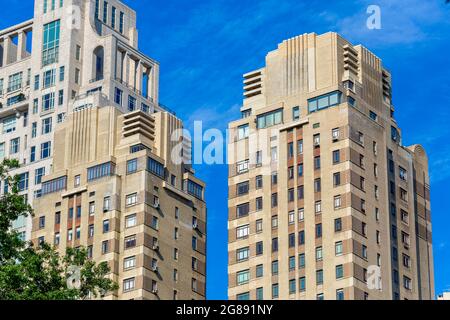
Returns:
(115, 190)
(79, 109)
(325, 202)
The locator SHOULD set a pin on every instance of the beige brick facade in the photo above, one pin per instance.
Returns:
(327, 195)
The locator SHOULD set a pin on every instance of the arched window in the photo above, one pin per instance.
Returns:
(98, 63)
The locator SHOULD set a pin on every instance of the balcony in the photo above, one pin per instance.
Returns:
(15, 100)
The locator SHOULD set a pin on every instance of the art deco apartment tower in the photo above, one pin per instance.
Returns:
(79, 109)
(324, 200)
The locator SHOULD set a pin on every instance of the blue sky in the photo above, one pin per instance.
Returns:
(205, 46)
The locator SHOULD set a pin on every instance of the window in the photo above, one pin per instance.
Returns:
(337, 202)
(242, 210)
(402, 174)
(242, 254)
(318, 207)
(49, 78)
(335, 134)
(269, 119)
(50, 47)
(105, 12)
(290, 149)
(274, 178)
(9, 124)
(404, 216)
(259, 293)
(259, 182)
(131, 199)
(292, 288)
(407, 283)
(130, 221)
(106, 203)
(324, 101)
(403, 194)
(101, 170)
(2, 150)
(77, 75)
(155, 168)
(336, 156)
(35, 106)
(274, 222)
(274, 200)
(273, 154)
(15, 82)
(339, 271)
(131, 103)
(131, 166)
(113, 17)
(318, 230)
(105, 246)
(42, 222)
(300, 146)
(319, 277)
(364, 252)
(243, 131)
(243, 296)
(296, 113)
(14, 146)
(242, 166)
(154, 223)
(275, 291)
(259, 203)
(57, 239)
(48, 101)
(259, 225)
(317, 185)
(118, 96)
(275, 267)
(105, 226)
(259, 271)
(242, 231)
(129, 263)
(301, 237)
(61, 73)
(317, 163)
(340, 294)
(23, 181)
(242, 277)
(275, 245)
(54, 185)
(291, 217)
(301, 214)
(300, 170)
(259, 248)
(38, 174)
(121, 22)
(46, 125)
(291, 195)
(90, 231)
(338, 248)
(258, 158)
(57, 218)
(242, 188)
(291, 240)
(316, 140)
(36, 82)
(337, 224)
(77, 232)
(128, 284)
(130, 242)
(319, 256)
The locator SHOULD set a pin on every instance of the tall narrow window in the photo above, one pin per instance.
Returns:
(50, 47)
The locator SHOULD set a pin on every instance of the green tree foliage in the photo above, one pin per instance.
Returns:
(41, 273)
